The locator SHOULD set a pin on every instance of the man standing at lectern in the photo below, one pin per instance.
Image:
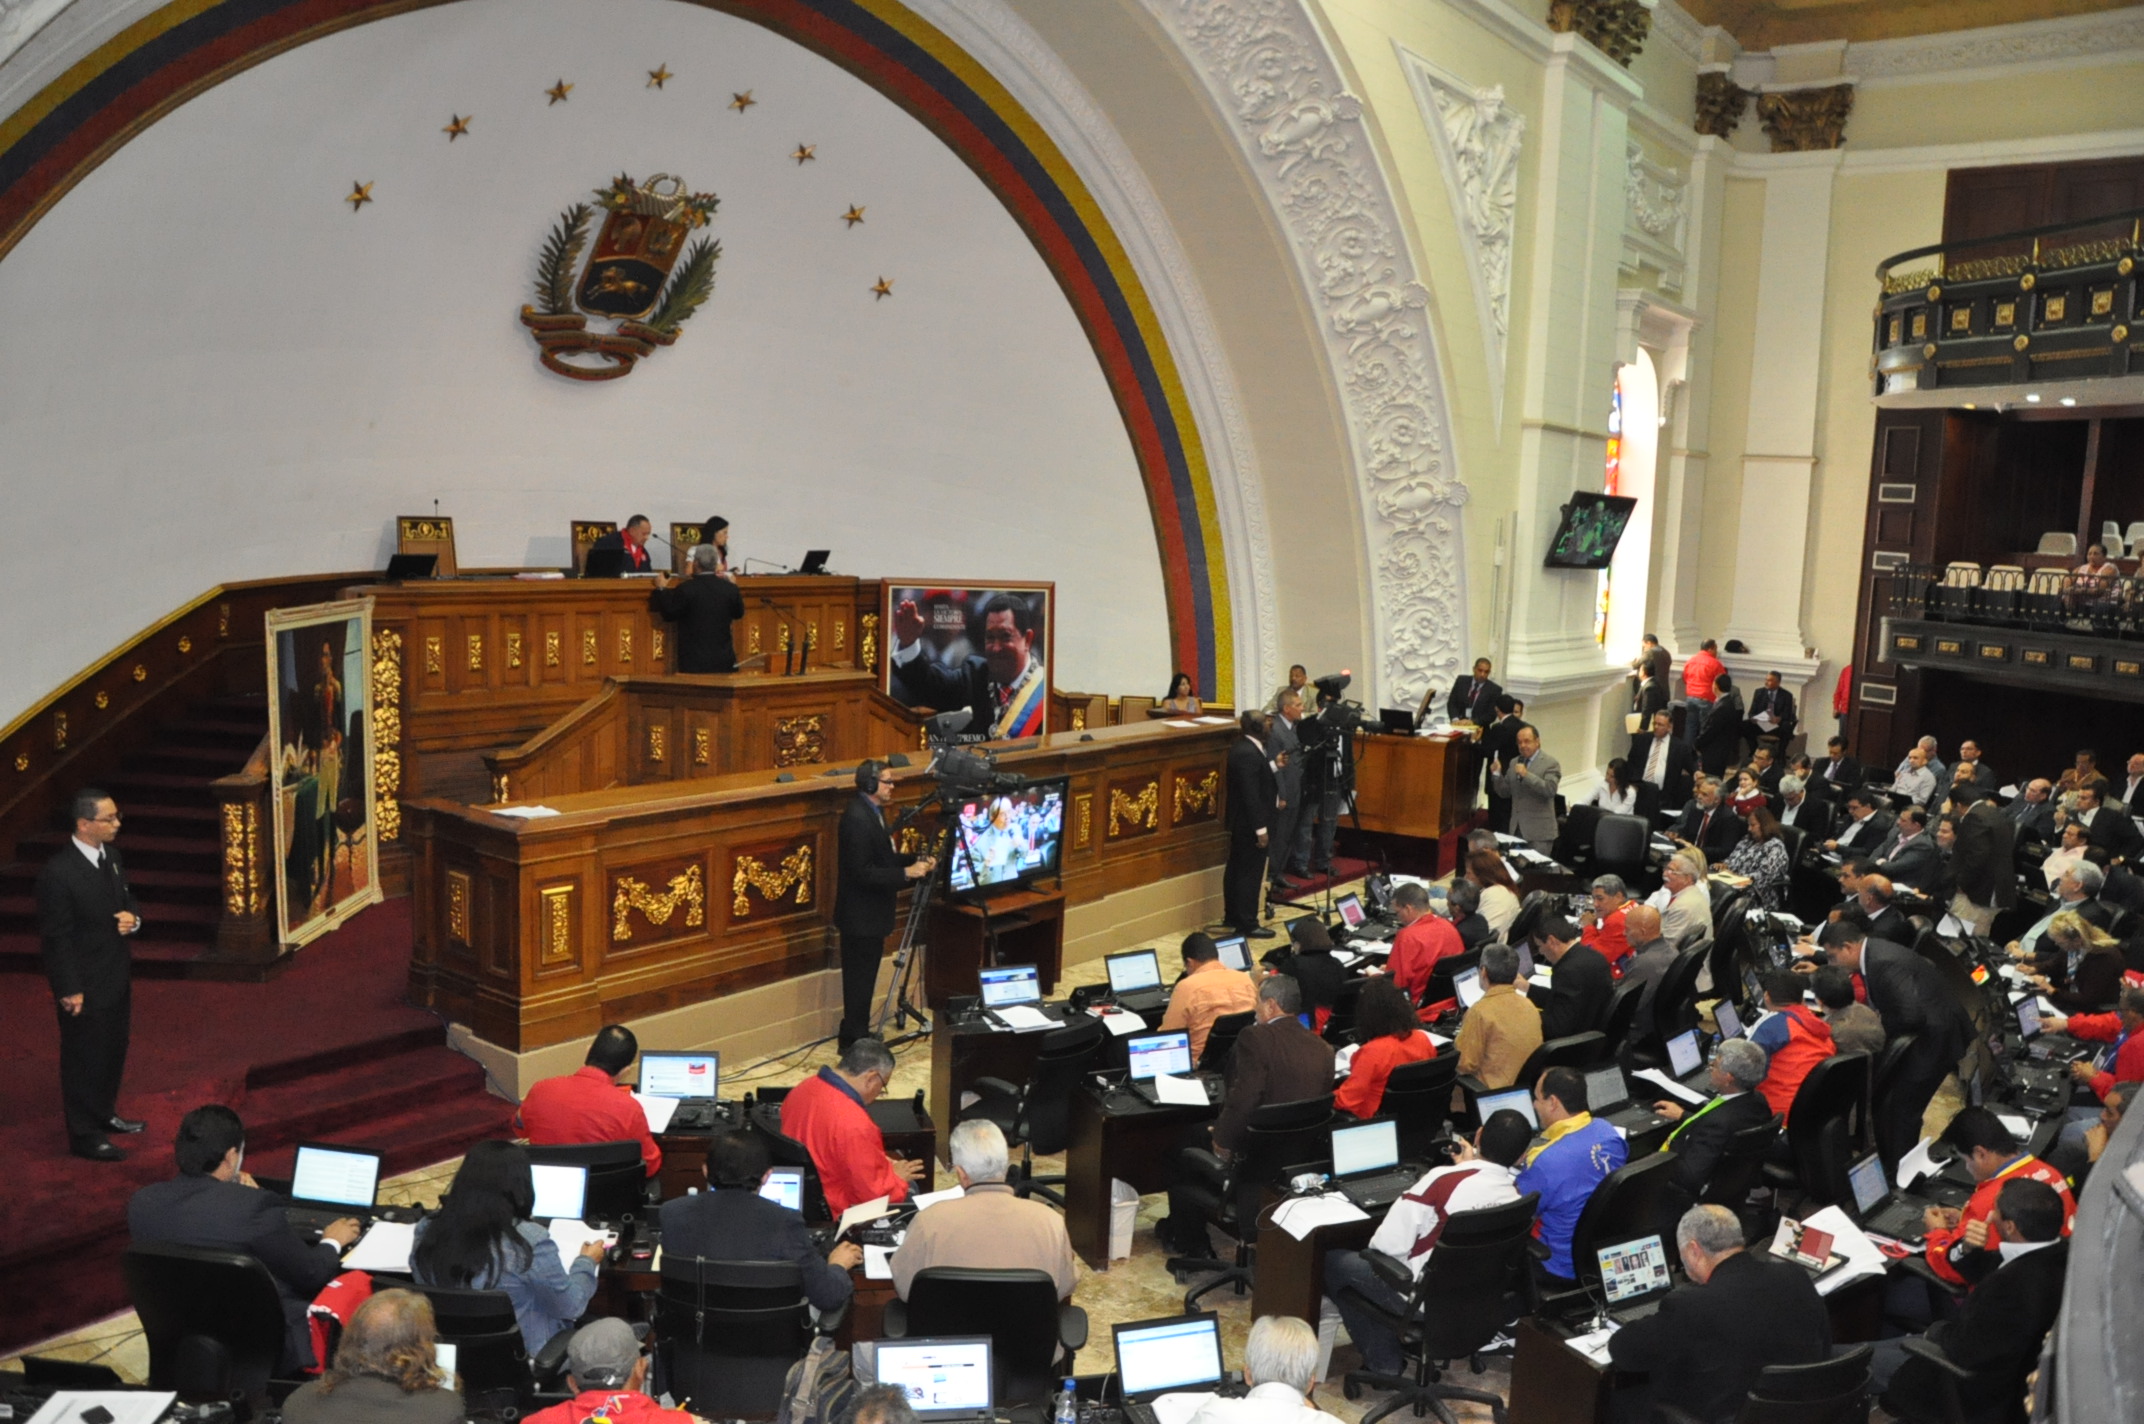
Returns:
(704, 607)
(85, 912)
(1006, 687)
(871, 875)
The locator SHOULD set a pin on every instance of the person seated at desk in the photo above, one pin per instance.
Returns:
(1308, 960)
(215, 1205)
(609, 1375)
(1747, 793)
(1603, 929)
(2121, 1062)
(827, 1112)
(384, 1370)
(1208, 990)
(1794, 1039)
(1685, 899)
(1503, 1028)
(1873, 911)
(1183, 698)
(1280, 1364)
(988, 1227)
(2075, 837)
(588, 1106)
(2088, 967)
(1651, 958)
(1998, 1331)
(1387, 1034)
(1963, 1249)
(1739, 1312)
(1498, 888)
(1579, 986)
(733, 1222)
(1909, 858)
(1706, 824)
(1462, 906)
(1798, 808)
(704, 606)
(1616, 796)
(2076, 1157)
(1702, 1135)
(1866, 825)
(633, 538)
(1855, 1027)
(1423, 939)
(482, 1239)
(1574, 1154)
(1480, 1174)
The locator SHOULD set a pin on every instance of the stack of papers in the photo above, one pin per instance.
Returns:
(1864, 1258)
(525, 813)
(1918, 1163)
(1023, 1018)
(1674, 1089)
(571, 1236)
(1594, 1343)
(1215, 721)
(659, 1109)
(118, 1406)
(1299, 1216)
(385, 1247)
(878, 1263)
(871, 1210)
(1187, 1092)
(1185, 723)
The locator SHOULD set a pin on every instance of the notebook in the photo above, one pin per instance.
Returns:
(1234, 953)
(1156, 1053)
(1518, 1100)
(1010, 985)
(1351, 912)
(1880, 1210)
(1155, 1357)
(945, 1380)
(1135, 978)
(1608, 1097)
(785, 1187)
(1634, 1276)
(1730, 1022)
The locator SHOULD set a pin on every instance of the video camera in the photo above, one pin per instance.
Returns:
(1339, 715)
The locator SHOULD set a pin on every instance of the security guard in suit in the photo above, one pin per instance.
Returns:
(85, 915)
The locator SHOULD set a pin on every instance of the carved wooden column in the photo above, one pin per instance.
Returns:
(247, 932)
(1806, 120)
(1616, 27)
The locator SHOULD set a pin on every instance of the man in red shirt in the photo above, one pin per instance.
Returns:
(1423, 939)
(588, 1105)
(826, 1112)
(609, 1374)
(1961, 1248)
(1793, 1038)
(1605, 930)
(1697, 676)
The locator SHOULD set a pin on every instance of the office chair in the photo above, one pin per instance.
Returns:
(1536, 907)
(1825, 1125)
(1674, 1008)
(497, 1372)
(1575, 841)
(765, 1116)
(1626, 1205)
(1833, 1391)
(1280, 1140)
(1726, 956)
(1038, 1116)
(1474, 1284)
(1221, 1040)
(1623, 1005)
(213, 1321)
(1579, 1050)
(1018, 1310)
(1883, 1076)
(1739, 1171)
(1951, 1386)
(729, 1331)
(1340, 1022)
(618, 1185)
(1622, 846)
(1418, 1097)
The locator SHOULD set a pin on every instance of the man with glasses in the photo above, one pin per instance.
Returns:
(85, 915)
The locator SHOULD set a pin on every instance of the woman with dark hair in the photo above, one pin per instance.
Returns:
(482, 1239)
(1183, 699)
(1615, 795)
(1309, 960)
(1763, 858)
(1388, 1034)
(1748, 793)
(384, 1370)
(1499, 892)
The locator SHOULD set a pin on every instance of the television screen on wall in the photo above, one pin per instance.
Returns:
(1592, 526)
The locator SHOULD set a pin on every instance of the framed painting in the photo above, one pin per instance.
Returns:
(319, 722)
(983, 647)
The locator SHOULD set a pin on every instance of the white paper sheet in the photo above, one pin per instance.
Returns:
(523, 813)
(1120, 1023)
(1949, 926)
(1299, 1216)
(571, 1236)
(1674, 1089)
(1181, 1408)
(1439, 1042)
(1864, 1257)
(385, 1247)
(1594, 1343)
(658, 1108)
(2018, 1126)
(125, 1406)
(1024, 1018)
(1189, 1092)
(1187, 724)
(1343, 1059)
(878, 1263)
(871, 1210)
(929, 1199)
(1918, 1163)
(1215, 721)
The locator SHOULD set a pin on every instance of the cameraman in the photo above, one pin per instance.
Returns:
(1328, 754)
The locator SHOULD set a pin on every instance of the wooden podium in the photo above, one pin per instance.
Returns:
(1028, 927)
(1416, 786)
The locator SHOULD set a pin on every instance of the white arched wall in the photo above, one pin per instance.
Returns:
(215, 369)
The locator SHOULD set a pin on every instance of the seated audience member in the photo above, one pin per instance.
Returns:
(215, 1205)
(1702, 1135)
(732, 1222)
(1424, 938)
(1686, 914)
(609, 1376)
(1499, 891)
(2087, 963)
(1574, 1155)
(1910, 857)
(1651, 957)
(1748, 792)
(1915, 778)
(1998, 1333)
(384, 1370)
(1762, 857)
(988, 1227)
(1706, 824)
(883, 1404)
(2108, 827)
(1615, 795)
(2075, 1158)
(1603, 928)
(1387, 1034)
(1579, 986)
(1480, 1174)
(1183, 698)
(1739, 1312)
(1839, 771)
(2069, 851)
(1462, 906)
(1208, 991)
(482, 1239)
(2121, 1061)
(1793, 1037)
(1865, 827)
(1308, 959)
(1855, 1027)
(1960, 1248)
(2077, 892)
(588, 1105)
(2084, 773)
(1800, 809)
(1874, 912)
(1280, 1364)
(827, 1112)
(1503, 1028)
(2034, 811)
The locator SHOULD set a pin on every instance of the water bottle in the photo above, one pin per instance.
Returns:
(1067, 1411)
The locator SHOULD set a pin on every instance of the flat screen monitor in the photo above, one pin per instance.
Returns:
(1372, 1147)
(1591, 527)
(1234, 953)
(1468, 986)
(561, 1191)
(1634, 1269)
(1730, 1022)
(1133, 971)
(1157, 1053)
(1605, 1090)
(1009, 985)
(2028, 1017)
(784, 1186)
(1868, 1183)
(1683, 1056)
(336, 1176)
(1351, 912)
(1156, 1356)
(1517, 1100)
(1526, 962)
(814, 561)
(943, 1379)
(681, 1075)
(1008, 838)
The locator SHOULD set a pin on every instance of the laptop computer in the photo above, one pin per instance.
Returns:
(1881, 1209)
(1366, 1165)
(1468, 986)
(947, 1381)
(1686, 1062)
(784, 1186)
(1235, 953)
(2045, 1046)
(330, 1182)
(1608, 1097)
(401, 567)
(694, 1079)
(604, 563)
(1135, 980)
(1008, 986)
(1152, 1054)
(561, 1191)
(1634, 1278)
(1397, 719)
(1157, 1357)
(814, 561)
(1352, 914)
(1730, 1022)
(1518, 1100)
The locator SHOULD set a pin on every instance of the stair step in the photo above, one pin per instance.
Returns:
(431, 1034)
(232, 729)
(158, 958)
(140, 852)
(414, 1139)
(159, 786)
(297, 1111)
(186, 759)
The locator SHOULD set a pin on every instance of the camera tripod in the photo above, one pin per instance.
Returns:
(895, 1011)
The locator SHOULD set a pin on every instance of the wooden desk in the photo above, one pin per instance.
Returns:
(1291, 1273)
(1127, 1140)
(1415, 786)
(635, 900)
(1028, 925)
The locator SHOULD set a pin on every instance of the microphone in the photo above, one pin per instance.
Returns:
(778, 568)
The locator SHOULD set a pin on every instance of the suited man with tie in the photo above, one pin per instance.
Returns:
(1663, 765)
(2033, 812)
(1911, 996)
(1253, 791)
(1499, 743)
(1865, 827)
(2108, 826)
(1288, 762)
(85, 915)
(1840, 771)
(1969, 761)
(1798, 808)
(1707, 825)
(872, 873)
(2129, 792)
(1909, 857)
(1703, 1135)
(1473, 698)
(1776, 702)
(1528, 780)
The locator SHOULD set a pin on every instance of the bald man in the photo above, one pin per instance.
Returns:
(1650, 957)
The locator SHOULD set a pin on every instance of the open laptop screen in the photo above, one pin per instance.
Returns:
(1468, 986)
(1014, 984)
(1158, 1053)
(1869, 1185)
(1351, 912)
(1372, 1147)
(942, 1378)
(1605, 1089)
(2028, 1017)
(561, 1191)
(1518, 1100)
(1154, 1356)
(1683, 1057)
(681, 1075)
(1233, 953)
(335, 1176)
(1526, 961)
(1634, 1269)
(784, 1186)
(1730, 1022)
(1129, 973)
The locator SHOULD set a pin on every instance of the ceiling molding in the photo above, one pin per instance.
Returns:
(2000, 49)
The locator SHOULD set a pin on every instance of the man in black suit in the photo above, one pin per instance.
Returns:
(1910, 995)
(2128, 791)
(1997, 1335)
(1719, 739)
(633, 538)
(2108, 826)
(872, 873)
(1840, 770)
(1982, 862)
(214, 1205)
(1704, 1347)
(1579, 984)
(1662, 765)
(85, 914)
(1005, 686)
(733, 1222)
(1870, 907)
(1969, 760)
(1704, 1134)
(1499, 745)
(1706, 824)
(1910, 856)
(1798, 808)
(1288, 765)
(1253, 794)
(2033, 812)
(1776, 702)
(1473, 699)
(1866, 826)
(703, 606)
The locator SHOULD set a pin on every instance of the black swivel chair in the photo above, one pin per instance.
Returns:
(1018, 1310)
(1578, 1050)
(1740, 1170)
(785, 1151)
(1883, 1075)
(1418, 1097)
(213, 1321)
(1622, 846)
(1340, 1023)
(1823, 1130)
(1623, 1015)
(1674, 1009)
(1833, 1391)
(1475, 1284)
(1221, 1040)
(1574, 844)
(1625, 1206)
(1038, 1115)
(497, 1373)
(729, 1331)
(618, 1186)
(1279, 1140)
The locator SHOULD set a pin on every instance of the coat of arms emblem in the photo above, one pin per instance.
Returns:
(641, 275)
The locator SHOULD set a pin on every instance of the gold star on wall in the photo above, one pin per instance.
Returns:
(882, 289)
(359, 195)
(741, 102)
(806, 153)
(659, 76)
(457, 125)
(853, 216)
(558, 92)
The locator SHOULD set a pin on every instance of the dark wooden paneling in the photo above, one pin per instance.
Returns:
(1987, 202)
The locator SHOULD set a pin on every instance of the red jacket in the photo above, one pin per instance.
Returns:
(1416, 950)
(2128, 1064)
(1796, 1040)
(1698, 673)
(619, 1406)
(586, 1106)
(845, 1145)
(1947, 1250)
(1364, 1088)
(1612, 940)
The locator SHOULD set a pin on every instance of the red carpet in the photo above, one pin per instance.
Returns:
(326, 1051)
